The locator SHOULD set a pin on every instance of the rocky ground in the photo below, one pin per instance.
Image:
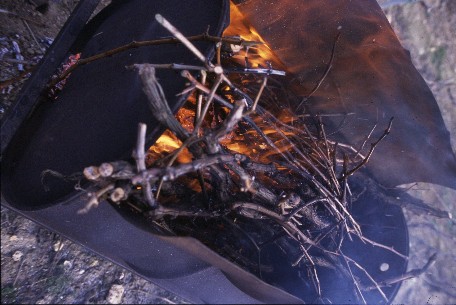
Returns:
(39, 266)
(427, 30)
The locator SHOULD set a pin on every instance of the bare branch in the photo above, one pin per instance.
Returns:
(94, 198)
(140, 156)
(157, 100)
(369, 154)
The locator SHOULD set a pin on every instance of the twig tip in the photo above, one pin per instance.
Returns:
(159, 18)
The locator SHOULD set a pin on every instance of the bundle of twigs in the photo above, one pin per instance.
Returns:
(293, 183)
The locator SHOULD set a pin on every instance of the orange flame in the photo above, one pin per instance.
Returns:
(250, 143)
(258, 55)
(166, 144)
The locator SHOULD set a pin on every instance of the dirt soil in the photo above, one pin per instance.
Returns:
(38, 266)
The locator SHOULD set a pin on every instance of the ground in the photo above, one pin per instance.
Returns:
(39, 266)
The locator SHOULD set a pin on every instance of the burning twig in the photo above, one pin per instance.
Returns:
(260, 92)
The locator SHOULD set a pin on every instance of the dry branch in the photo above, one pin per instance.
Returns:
(94, 198)
(157, 100)
(140, 156)
(172, 173)
(156, 42)
(369, 154)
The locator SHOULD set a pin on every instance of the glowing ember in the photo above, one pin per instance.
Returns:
(71, 61)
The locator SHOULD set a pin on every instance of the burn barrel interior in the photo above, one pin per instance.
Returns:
(94, 119)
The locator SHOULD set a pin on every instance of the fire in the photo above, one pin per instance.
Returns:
(166, 144)
(259, 55)
(250, 143)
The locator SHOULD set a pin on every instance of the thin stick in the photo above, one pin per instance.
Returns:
(167, 25)
(210, 97)
(17, 78)
(171, 66)
(303, 206)
(289, 227)
(391, 249)
(33, 35)
(137, 44)
(376, 285)
(260, 92)
(19, 271)
(328, 160)
(369, 154)
(172, 173)
(365, 140)
(200, 97)
(21, 17)
(328, 68)
(94, 198)
(16, 61)
(204, 89)
(358, 289)
(315, 278)
(219, 51)
(140, 157)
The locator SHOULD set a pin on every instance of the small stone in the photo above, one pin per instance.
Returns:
(115, 294)
(13, 238)
(94, 263)
(58, 246)
(81, 272)
(17, 256)
(67, 265)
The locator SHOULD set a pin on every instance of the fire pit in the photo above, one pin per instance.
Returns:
(93, 121)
